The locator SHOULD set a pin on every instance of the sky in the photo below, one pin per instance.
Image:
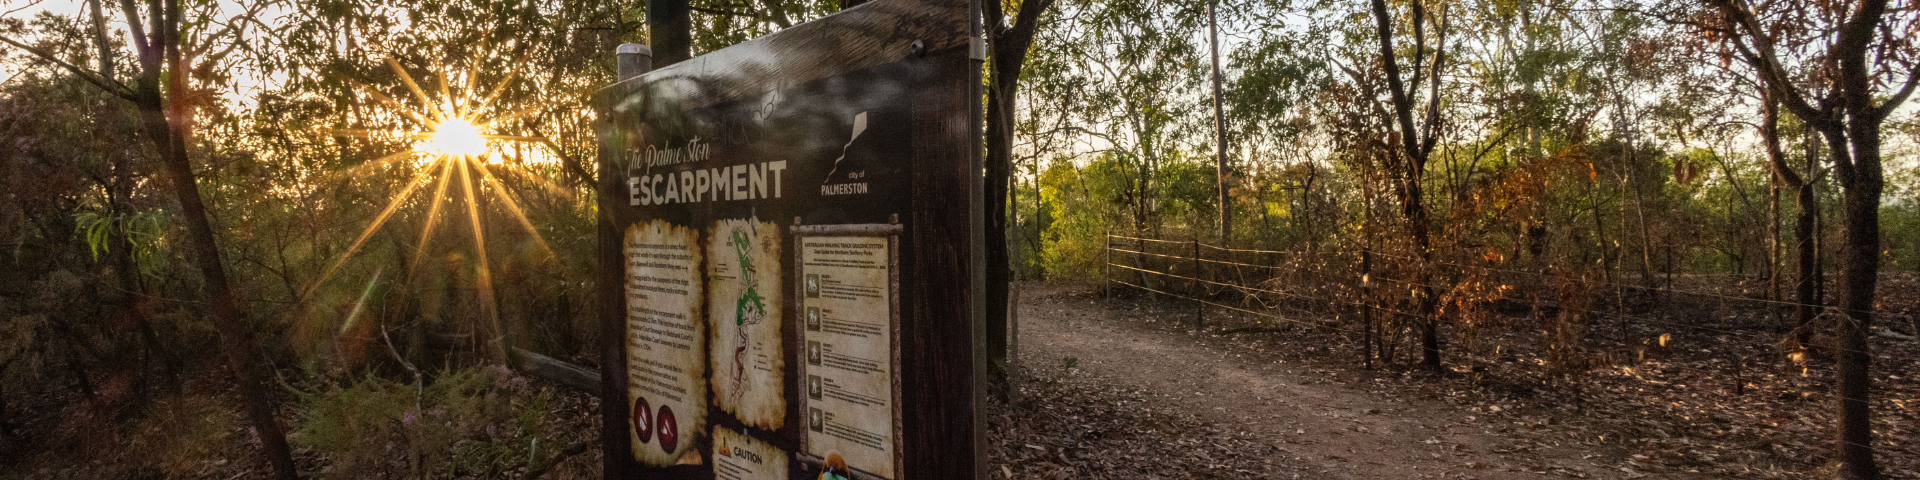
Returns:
(27, 9)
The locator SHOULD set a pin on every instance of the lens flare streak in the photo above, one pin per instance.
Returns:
(454, 139)
(483, 272)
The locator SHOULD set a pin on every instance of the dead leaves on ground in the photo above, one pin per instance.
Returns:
(1066, 425)
(1717, 403)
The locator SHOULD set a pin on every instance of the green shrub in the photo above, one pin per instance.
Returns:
(462, 423)
(1900, 235)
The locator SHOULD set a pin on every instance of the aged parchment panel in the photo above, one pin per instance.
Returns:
(666, 342)
(847, 287)
(740, 457)
(748, 363)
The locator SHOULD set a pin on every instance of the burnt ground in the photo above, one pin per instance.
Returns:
(1205, 397)
(1252, 399)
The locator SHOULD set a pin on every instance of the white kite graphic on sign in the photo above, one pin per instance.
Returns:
(859, 126)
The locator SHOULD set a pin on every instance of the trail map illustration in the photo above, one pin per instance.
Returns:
(746, 357)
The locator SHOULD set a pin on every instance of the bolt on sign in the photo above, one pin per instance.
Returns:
(796, 226)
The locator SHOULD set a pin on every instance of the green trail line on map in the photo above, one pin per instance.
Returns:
(748, 305)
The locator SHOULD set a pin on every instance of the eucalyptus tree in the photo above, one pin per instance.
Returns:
(1008, 40)
(1043, 131)
(1142, 73)
(1279, 71)
(1121, 80)
(1802, 181)
(1538, 72)
(1793, 33)
(1639, 63)
(1051, 145)
(1406, 165)
(177, 47)
(1863, 62)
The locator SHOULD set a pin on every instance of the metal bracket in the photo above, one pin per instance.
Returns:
(977, 48)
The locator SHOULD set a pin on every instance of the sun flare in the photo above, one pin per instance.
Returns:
(456, 155)
(457, 138)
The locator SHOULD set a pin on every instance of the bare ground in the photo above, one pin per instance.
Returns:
(1313, 421)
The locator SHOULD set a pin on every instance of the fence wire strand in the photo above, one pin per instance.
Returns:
(1367, 277)
(1549, 276)
(1229, 307)
(1616, 314)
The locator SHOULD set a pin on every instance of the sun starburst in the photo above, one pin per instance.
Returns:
(456, 137)
(452, 147)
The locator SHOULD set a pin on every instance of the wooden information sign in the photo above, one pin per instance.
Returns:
(796, 224)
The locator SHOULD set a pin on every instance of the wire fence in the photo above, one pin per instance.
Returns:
(1324, 288)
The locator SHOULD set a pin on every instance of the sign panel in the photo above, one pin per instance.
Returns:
(799, 234)
(848, 278)
(666, 340)
(747, 360)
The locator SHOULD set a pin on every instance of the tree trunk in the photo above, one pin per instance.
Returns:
(1418, 146)
(1427, 303)
(1221, 174)
(1000, 107)
(1864, 183)
(1010, 43)
(1807, 253)
(1773, 248)
(237, 343)
(669, 31)
(1806, 210)
(1854, 359)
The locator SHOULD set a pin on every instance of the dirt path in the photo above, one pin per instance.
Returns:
(1311, 414)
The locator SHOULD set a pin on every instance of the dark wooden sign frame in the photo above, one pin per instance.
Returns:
(914, 66)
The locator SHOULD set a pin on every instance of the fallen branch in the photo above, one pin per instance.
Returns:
(552, 369)
(1236, 331)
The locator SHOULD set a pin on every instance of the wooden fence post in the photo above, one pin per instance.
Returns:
(1366, 302)
(1199, 306)
(1106, 269)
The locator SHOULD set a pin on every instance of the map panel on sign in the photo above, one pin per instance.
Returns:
(747, 358)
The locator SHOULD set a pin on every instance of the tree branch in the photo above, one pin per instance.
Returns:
(1428, 136)
(1402, 105)
(23, 7)
(109, 85)
(1770, 135)
(1419, 46)
(100, 38)
(1894, 101)
(141, 44)
(1761, 56)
